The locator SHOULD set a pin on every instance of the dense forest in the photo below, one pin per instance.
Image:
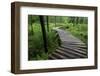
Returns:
(42, 40)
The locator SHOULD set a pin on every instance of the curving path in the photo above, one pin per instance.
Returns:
(71, 47)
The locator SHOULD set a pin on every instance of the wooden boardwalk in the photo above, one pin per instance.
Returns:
(71, 47)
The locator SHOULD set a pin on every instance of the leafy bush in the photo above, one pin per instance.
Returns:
(52, 41)
(36, 44)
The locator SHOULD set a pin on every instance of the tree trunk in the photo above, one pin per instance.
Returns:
(47, 23)
(32, 26)
(55, 21)
(43, 32)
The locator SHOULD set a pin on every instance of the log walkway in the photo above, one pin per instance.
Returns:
(71, 47)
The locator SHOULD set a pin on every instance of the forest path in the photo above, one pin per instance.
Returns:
(71, 47)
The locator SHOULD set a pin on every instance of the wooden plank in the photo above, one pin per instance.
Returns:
(66, 54)
(73, 51)
(52, 57)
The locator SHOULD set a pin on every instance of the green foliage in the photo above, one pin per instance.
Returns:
(36, 44)
(52, 41)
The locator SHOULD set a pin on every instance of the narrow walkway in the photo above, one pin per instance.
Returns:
(71, 47)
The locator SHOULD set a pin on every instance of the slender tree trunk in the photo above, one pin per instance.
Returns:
(55, 21)
(32, 26)
(77, 20)
(47, 23)
(44, 33)
(73, 21)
